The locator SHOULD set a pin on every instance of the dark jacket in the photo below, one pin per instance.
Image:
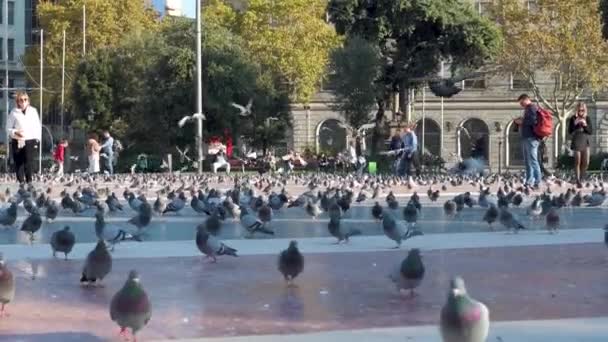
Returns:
(581, 135)
(529, 121)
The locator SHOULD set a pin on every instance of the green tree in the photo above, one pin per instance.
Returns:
(413, 37)
(561, 38)
(109, 23)
(356, 65)
(289, 39)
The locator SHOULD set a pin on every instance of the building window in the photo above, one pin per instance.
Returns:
(475, 83)
(518, 82)
(11, 49)
(11, 13)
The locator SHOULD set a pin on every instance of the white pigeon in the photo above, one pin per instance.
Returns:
(183, 155)
(245, 110)
(187, 118)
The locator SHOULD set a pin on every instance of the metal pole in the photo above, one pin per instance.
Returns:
(199, 87)
(442, 128)
(423, 116)
(5, 56)
(41, 93)
(62, 83)
(84, 29)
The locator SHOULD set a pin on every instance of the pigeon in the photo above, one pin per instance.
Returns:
(335, 229)
(408, 274)
(410, 214)
(52, 210)
(110, 233)
(507, 220)
(463, 319)
(552, 221)
(8, 216)
(113, 203)
(212, 224)
(211, 246)
(7, 286)
(97, 264)
(377, 211)
(252, 224)
(491, 215)
(312, 209)
(176, 204)
(244, 110)
(187, 118)
(130, 307)
(63, 241)
(395, 231)
(143, 217)
(31, 225)
(535, 209)
(159, 206)
(291, 263)
(449, 208)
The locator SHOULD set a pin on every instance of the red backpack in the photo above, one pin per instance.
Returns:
(544, 123)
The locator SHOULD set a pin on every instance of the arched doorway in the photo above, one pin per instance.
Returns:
(432, 136)
(331, 137)
(515, 156)
(473, 139)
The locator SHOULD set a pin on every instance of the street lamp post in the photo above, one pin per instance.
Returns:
(41, 94)
(199, 88)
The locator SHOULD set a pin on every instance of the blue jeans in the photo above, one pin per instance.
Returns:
(530, 150)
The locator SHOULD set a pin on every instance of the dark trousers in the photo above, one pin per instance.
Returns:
(24, 160)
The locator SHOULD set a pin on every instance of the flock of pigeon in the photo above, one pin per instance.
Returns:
(252, 200)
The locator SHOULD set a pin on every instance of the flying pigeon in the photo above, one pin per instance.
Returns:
(408, 274)
(291, 263)
(7, 286)
(187, 118)
(244, 110)
(63, 241)
(210, 245)
(463, 319)
(130, 306)
(97, 264)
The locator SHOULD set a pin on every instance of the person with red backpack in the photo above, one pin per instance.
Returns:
(533, 128)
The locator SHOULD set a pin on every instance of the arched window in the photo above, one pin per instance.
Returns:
(432, 136)
(474, 139)
(331, 137)
(514, 149)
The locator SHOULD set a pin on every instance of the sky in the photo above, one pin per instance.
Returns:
(188, 6)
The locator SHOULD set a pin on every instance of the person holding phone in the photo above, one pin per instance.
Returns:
(579, 128)
(25, 130)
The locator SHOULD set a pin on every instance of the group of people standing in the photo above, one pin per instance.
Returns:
(405, 146)
(100, 153)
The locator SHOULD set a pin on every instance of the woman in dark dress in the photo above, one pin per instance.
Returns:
(579, 128)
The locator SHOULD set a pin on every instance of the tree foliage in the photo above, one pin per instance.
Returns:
(414, 36)
(289, 39)
(563, 39)
(356, 65)
(108, 24)
(148, 84)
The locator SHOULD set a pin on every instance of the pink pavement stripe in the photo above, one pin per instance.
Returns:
(246, 295)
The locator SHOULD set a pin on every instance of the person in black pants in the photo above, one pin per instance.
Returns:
(579, 127)
(24, 128)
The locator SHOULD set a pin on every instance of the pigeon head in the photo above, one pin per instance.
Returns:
(66, 228)
(134, 276)
(293, 244)
(457, 287)
(414, 253)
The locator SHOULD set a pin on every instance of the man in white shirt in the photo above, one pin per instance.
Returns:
(24, 129)
(221, 161)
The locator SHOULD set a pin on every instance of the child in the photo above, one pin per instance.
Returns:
(59, 156)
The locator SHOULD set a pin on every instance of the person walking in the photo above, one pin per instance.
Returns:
(107, 153)
(25, 130)
(410, 146)
(59, 156)
(529, 140)
(93, 149)
(579, 128)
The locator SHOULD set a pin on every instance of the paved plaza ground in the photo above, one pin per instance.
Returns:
(538, 287)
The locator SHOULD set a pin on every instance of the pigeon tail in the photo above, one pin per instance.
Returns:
(353, 232)
(264, 230)
(225, 250)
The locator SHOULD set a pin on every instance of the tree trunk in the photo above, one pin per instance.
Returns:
(563, 130)
(378, 134)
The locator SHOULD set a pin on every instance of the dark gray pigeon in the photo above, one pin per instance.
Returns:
(52, 210)
(7, 286)
(130, 307)
(395, 230)
(377, 211)
(552, 220)
(8, 216)
(506, 219)
(291, 263)
(342, 234)
(463, 319)
(491, 215)
(97, 264)
(212, 224)
(210, 245)
(408, 274)
(111, 234)
(31, 225)
(63, 241)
